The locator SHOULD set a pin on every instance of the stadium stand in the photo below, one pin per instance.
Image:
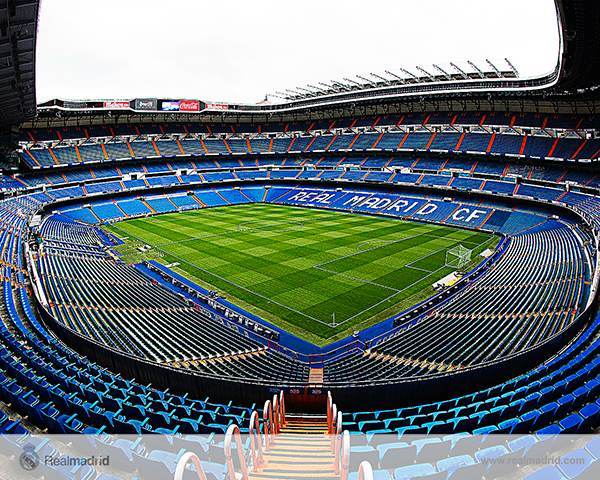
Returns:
(504, 144)
(73, 247)
(500, 304)
(123, 301)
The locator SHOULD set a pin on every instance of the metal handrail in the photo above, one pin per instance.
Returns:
(337, 441)
(344, 456)
(282, 408)
(268, 423)
(365, 471)
(276, 414)
(256, 443)
(329, 407)
(334, 413)
(233, 432)
(182, 464)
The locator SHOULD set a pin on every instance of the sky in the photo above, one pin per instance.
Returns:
(239, 50)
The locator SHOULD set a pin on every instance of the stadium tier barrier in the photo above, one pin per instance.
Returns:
(482, 119)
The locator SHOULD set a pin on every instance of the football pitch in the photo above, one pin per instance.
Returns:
(319, 274)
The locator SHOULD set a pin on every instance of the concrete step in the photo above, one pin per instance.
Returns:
(302, 450)
(299, 460)
(317, 429)
(292, 476)
(288, 468)
(299, 453)
(315, 376)
(302, 440)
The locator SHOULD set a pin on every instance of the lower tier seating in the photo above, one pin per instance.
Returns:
(534, 291)
(48, 385)
(525, 298)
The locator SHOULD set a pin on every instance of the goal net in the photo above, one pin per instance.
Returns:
(458, 257)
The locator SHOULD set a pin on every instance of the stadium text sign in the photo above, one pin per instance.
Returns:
(396, 205)
(468, 215)
(146, 104)
(316, 197)
(217, 106)
(116, 104)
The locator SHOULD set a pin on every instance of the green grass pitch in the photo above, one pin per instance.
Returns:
(303, 269)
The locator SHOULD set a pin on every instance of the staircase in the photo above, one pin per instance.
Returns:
(315, 376)
(285, 447)
(302, 449)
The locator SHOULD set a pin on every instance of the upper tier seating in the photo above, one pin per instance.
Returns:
(483, 143)
(552, 174)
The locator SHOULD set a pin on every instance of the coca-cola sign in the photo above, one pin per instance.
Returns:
(189, 106)
(116, 104)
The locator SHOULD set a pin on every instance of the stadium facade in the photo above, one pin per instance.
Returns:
(510, 346)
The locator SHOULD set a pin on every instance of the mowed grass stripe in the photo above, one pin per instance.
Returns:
(299, 267)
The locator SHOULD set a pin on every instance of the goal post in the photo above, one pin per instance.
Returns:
(457, 257)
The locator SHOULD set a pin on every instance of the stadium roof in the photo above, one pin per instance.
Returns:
(577, 71)
(18, 29)
(581, 38)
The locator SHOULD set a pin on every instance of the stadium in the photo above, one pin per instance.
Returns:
(414, 255)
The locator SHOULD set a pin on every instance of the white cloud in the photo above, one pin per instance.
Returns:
(239, 50)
